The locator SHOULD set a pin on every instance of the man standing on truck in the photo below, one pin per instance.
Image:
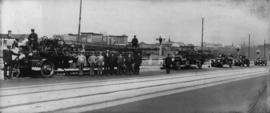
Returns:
(134, 42)
(168, 63)
(33, 40)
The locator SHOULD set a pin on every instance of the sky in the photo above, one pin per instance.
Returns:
(225, 21)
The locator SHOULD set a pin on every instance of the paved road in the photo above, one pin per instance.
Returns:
(83, 95)
(234, 97)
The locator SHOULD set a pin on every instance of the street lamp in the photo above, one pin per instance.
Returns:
(238, 51)
(160, 39)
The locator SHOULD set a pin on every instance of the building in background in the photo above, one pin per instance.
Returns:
(117, 39)
(95, 38)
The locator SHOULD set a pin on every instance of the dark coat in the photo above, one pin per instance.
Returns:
(129, 60)
(33, 37)
(120, 60)
(107, 59)
(138, 59)
(7, 56)
(168, 61)
(113, 60)
(134, 42)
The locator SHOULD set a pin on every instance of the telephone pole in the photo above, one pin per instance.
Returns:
(264, 49)
(248, 45)
(79, 27)
(202, 34)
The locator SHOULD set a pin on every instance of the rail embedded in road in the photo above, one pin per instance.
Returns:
(104, 93)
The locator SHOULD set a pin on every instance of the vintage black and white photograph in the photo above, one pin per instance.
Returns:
(134, 56)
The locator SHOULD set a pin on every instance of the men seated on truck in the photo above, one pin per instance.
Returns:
(15, 55)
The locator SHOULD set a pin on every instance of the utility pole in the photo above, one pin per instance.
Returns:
(79, 28)
(202, 35)
(248, 45)
(264, 49)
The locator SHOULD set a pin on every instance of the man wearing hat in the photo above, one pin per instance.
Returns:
(33, 39)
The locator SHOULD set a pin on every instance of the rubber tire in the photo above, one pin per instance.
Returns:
(18, 72)
(51, 73)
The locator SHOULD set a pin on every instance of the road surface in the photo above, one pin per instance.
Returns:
(132, 94)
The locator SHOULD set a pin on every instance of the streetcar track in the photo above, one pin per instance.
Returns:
(59, 99)
(133, 79)
(142, 95)
(109, 80)
(126, 82)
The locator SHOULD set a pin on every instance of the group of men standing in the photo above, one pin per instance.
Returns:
(110, 63)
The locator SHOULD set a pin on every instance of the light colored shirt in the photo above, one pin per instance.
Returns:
(81, 59)
(100, 60)
(92, 59)
(16, 51)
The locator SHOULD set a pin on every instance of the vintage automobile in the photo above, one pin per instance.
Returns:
(188, 57)
(260, 62)
(54, 54)
(242, 61)
(222, 60)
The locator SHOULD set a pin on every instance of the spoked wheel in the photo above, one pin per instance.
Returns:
(15, 73)
(230, 65)
(199, 64)
(47, 69)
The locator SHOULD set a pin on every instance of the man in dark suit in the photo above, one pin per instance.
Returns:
(135, 42)
(138, 61)
(112, 63)
(33, 40)
(168, 63)
(107, 62)
(129, 62)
